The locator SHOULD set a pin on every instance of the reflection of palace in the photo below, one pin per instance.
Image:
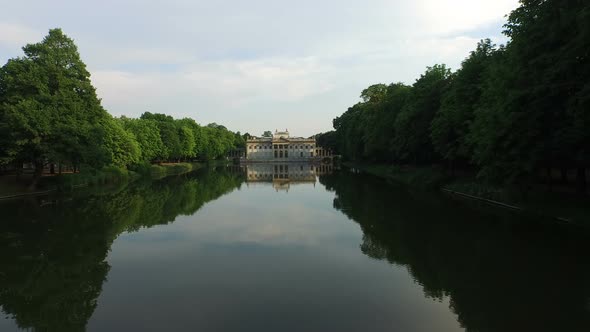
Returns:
(283, 148)
(284, 175)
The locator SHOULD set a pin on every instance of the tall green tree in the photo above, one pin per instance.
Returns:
(112, 145)
(48, 106)
(169, 134)
(147, 134)
(536, 99)
(451, 125)
(412, 126)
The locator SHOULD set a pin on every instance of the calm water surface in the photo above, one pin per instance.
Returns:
(291, 248)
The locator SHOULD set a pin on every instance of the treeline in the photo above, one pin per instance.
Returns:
(50, 114)
(510, 112)
(160, 137)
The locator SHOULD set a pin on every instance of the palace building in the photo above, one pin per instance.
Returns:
(282, 147)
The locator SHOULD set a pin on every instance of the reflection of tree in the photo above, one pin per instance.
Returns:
(53, 257)
(501, 273)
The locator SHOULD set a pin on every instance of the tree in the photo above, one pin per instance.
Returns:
(168, 134)
(190, 135)
(48, 105)
(327, 140)
(112, 145)
(412, 126)
(452, 122)
(536, 98)
(147, 134)
(375, 93)
(267, 133)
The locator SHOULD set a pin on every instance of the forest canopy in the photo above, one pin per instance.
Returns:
(509, 111)
(50, 114)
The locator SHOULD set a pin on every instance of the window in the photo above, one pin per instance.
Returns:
(301, 155)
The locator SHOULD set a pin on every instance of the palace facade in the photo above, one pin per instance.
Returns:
(281, 147)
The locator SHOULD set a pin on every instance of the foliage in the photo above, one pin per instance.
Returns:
(411, 142)
(328, 140)
(50, 114)
(48, 106)
(508, 112)
(147, 135)
(452, 122)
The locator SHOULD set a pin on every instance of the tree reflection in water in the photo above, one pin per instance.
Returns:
(53, 256)
(501, 273)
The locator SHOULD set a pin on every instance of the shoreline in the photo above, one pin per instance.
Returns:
(67, 182)
(564, 208)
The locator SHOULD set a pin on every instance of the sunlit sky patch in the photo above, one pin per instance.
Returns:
(254, 65)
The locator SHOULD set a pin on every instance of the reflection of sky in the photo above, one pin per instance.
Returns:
(258, 259)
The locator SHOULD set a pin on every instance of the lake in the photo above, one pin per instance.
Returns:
(292, 247)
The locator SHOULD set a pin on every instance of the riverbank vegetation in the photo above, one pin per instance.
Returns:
(51, 117)
(512, 114)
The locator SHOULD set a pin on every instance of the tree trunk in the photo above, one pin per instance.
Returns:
(36, 175)
(563, 171)
(52, 168)
(59, 168)
(581, 179)
(18, 166)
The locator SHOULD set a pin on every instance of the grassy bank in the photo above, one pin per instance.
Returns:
(422, 177)
(536, 200)
(107, 175)
(164, 170)
(11, 186)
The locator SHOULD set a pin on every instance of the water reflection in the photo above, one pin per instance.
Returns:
(502, 273)
(53, 256)
(497, 272)
(283, 176)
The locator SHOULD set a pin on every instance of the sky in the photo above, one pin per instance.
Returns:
(253, 65)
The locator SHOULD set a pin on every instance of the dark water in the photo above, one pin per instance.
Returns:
(291, 249)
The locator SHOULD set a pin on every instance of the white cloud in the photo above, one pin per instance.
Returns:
(461, 15)
(258, 64)
(16, 35)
